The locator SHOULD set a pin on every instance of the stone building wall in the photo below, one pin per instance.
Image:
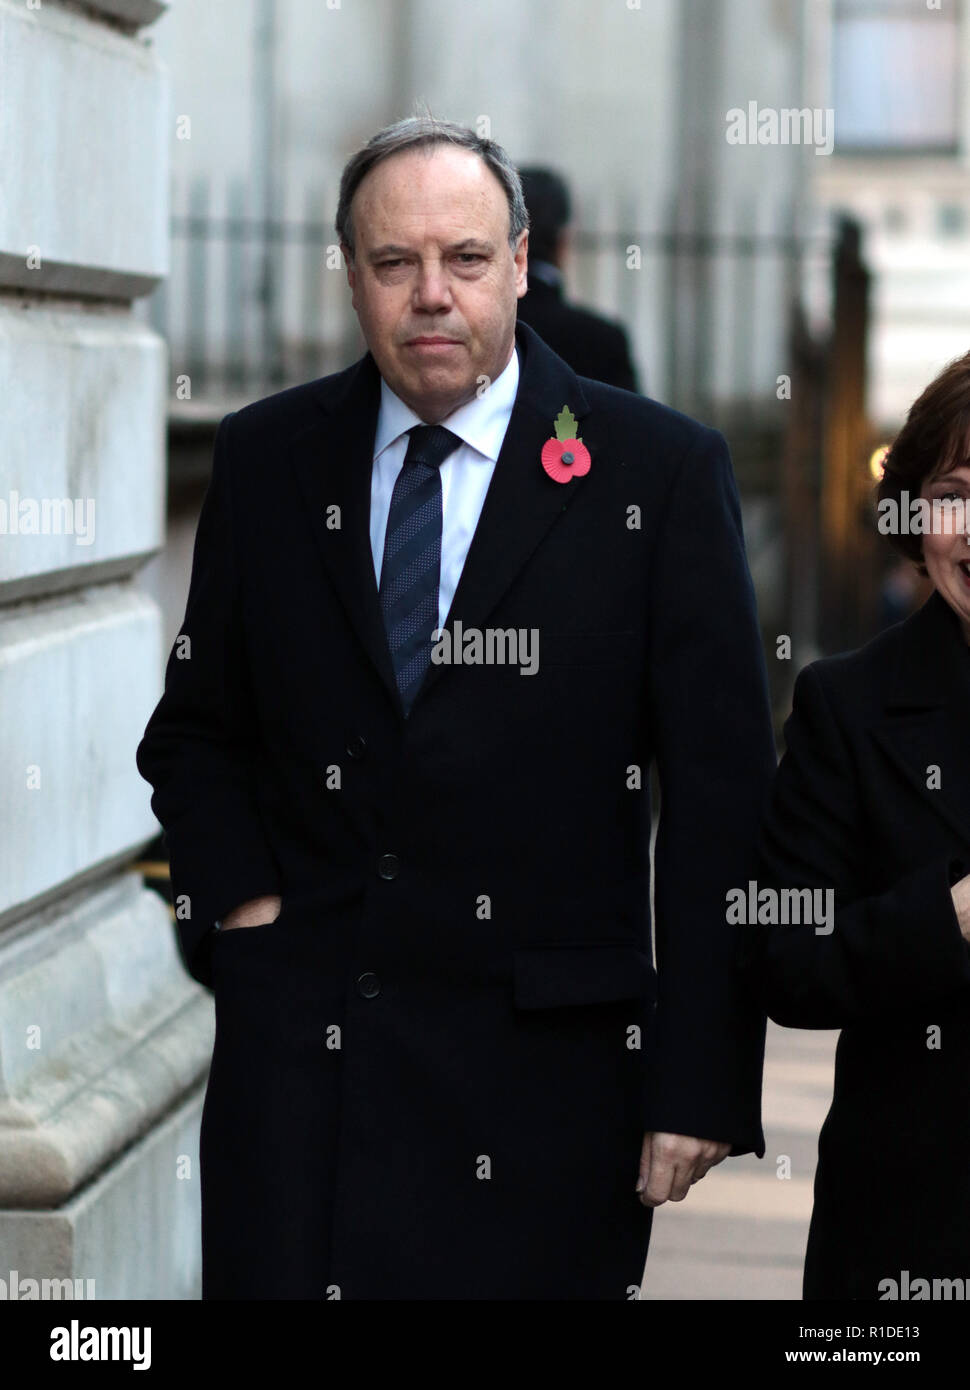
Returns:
(104, 1040)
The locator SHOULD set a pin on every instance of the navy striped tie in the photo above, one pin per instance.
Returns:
(411, 567)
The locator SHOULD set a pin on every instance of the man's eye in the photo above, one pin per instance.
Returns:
(389, 265)
(948, 496)
(469, 256)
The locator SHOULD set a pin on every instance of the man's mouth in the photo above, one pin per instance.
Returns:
(433, 341)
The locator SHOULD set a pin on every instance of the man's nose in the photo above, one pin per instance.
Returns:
(431, 291)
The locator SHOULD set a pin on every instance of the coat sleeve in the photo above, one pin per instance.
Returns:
(715, 756)
(197, 748)
(886, 952)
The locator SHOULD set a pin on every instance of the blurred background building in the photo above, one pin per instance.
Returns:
(104, 1042)
(773, 197)
(898, 79)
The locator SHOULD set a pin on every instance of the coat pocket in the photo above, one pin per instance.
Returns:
(257, 928)
(548, 977)
(258, 932)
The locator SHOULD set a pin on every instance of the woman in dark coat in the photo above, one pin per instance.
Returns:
(872, 801)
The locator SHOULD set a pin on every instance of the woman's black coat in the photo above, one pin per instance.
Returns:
(872, 798)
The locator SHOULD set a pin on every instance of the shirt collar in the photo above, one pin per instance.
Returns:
(480, 422)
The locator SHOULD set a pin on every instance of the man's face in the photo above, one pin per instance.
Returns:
(435, 282)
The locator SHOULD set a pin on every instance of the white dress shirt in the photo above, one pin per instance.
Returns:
(465, 474)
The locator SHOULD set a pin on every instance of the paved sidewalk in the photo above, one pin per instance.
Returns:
(740, 1234)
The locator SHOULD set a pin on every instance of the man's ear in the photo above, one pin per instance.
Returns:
(521, 258)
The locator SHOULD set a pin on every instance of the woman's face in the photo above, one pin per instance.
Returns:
(946, 549)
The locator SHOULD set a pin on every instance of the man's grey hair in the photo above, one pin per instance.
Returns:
(412, 133)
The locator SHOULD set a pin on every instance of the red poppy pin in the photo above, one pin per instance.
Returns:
(565, 456)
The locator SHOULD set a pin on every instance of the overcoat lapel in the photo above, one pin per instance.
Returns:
(333, 460)
(927, 713)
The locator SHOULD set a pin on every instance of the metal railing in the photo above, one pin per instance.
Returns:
(255, 304)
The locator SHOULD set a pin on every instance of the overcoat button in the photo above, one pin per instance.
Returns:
(368, 985)
(388, 865)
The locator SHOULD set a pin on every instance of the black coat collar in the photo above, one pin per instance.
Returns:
(333, 461)
(932, 659)
(926, 715)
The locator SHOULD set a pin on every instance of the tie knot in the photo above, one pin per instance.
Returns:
(430, 445)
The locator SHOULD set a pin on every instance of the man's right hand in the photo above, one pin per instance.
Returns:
(257, 912)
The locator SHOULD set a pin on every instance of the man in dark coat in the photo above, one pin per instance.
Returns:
(593, 345)
(401, 762)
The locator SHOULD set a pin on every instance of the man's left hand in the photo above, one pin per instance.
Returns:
(670, 1163)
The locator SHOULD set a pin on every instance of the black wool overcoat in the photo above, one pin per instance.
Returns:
(433, 1071)
(872, 800)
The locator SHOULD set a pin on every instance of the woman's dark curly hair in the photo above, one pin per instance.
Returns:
(935, 437)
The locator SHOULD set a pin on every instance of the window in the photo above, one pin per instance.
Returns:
(895, 76)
